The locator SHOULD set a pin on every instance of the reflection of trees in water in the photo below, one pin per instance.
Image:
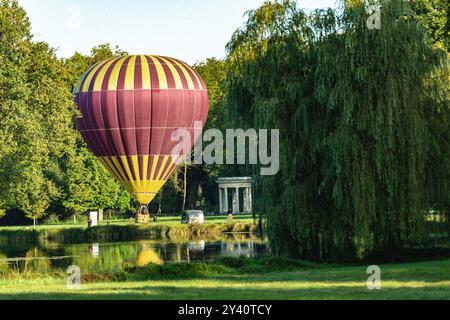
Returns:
(24, 258)
(110, 257)
(4, 266)
(36, 262)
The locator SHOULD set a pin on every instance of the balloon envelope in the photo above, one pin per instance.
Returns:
(130, 107)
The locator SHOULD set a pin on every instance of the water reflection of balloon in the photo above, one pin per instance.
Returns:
(130, 107)
(147, 256)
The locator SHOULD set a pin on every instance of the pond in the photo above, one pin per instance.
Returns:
(102, 257)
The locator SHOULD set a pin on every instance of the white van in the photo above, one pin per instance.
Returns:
(193, 216)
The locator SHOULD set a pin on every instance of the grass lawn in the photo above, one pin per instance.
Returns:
(170, 221)
(422, 280)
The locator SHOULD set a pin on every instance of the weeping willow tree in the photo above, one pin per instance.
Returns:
(363, 119)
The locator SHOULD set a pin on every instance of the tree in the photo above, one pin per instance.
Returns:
(36, 115)
(44, 164)
(354, 107)
(435, 15)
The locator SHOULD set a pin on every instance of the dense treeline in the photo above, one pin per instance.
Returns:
(45, 167)
(364, 120)
(363, 116)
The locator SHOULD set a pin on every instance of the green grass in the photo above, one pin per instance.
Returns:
(169, 221)
(422, 280)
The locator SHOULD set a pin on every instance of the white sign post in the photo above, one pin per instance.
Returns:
(93, 217)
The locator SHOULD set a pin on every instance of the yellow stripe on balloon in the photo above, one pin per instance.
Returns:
(105, 164)
(175, 74)
(145, 167)
(114, 78)
(77, 87)
(113, 167)
(87, 82)
(119, 168)
(84, 76)
(146, 78)
(161, 74)
(196, 77)
(155, 162)
(185, 72)
(129, 75)
(124, 160)
(169, 168)
(161, 169)
(135, 163)
(101, 75)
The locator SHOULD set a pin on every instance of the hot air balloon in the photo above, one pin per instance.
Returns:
(130, 107)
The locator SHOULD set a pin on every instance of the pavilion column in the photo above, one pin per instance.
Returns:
(237, 200)
(225, 204)
(250, 200)
(245, 201)
(233, 202)
(220, 200)
(246, 206)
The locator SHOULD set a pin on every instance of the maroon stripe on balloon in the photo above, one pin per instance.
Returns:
(121, 168)
(82, 106)
(143, 120)
(91, 84)
(130, 165)
(138, 73)
(126, 119)
(170, 170)
(205, 107)
(88, 141)
(157, 139)
(86, 76)
(166, 168)
(196, 109)
(97, 121)
(81, 128)
(107, 77)
(86, 123)
(198, 106)
(201, 80)
(92, 113)
(111, 119)
(192, 107)
(191, 74)
(182, 76)
(169, 76)
(151, 159)
(141, 167)
(175, 106)
(158, 167)
(143, 104)
(160, 113)
(122, 74)
(186, 115)
(153, 73)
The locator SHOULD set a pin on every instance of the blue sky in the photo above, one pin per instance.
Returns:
(190, 30)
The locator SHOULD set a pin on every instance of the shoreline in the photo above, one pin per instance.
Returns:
(130, 232)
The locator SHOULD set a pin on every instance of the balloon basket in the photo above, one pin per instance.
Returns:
(143, 215)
